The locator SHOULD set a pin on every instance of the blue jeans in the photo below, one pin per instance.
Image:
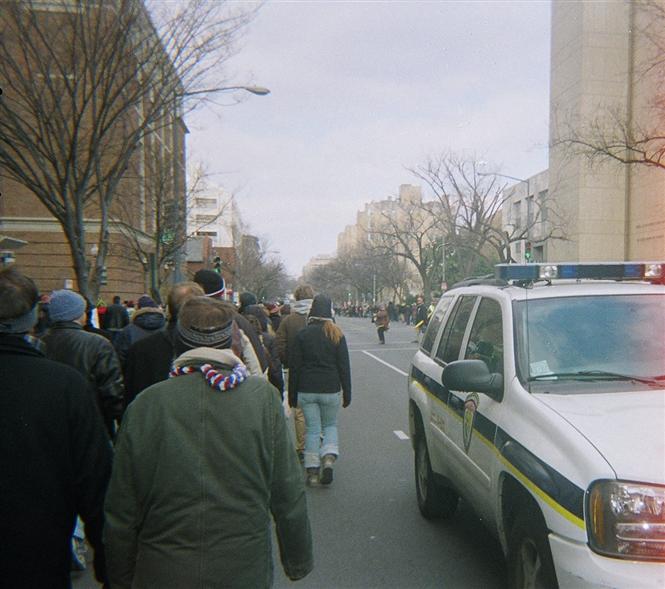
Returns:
(320, 410)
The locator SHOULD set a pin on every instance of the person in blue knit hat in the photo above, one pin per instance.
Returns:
(91, 354)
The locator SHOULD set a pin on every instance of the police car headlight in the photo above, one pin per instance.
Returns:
(626, 519)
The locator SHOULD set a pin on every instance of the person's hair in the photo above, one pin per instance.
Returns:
(116, 300)
(180, 293)
(303, 291)
(332, 332)
(18, 293)
(204, 312)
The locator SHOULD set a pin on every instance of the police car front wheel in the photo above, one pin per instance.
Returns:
(530, 564)
(434, 501)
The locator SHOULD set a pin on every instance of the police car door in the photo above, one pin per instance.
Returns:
(446, 417)
(479, 412)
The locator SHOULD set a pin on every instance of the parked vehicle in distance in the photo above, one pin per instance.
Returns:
(538, 396)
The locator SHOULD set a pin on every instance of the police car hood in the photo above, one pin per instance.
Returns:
(628, 429)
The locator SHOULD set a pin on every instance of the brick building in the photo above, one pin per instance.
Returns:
(125, 151)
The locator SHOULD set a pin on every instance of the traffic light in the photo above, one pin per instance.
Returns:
(527, 251)
(103, 276)
(217, 264)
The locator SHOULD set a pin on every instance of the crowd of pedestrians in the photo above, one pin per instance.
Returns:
(163, 434)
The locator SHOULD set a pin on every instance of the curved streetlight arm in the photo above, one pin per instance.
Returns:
(258, 90)
(505, 176)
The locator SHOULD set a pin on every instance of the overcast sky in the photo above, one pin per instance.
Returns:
(359, 92)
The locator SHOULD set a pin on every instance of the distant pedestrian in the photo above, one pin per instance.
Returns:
(55, 454)
(202, 462)
(275, 315)
(318, 369)
(147, 319)
(246, 299)
(258, 318)
(291, 324)
(420, 320)
(213, 286)
(89, 353)
(150, 359)
(382, 322)
(116, 318)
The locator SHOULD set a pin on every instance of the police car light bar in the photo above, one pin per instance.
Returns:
(648, 271)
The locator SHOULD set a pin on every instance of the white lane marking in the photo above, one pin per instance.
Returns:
(400, 434)
(385, 363)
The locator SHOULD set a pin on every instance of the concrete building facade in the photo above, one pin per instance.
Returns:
(599, 78)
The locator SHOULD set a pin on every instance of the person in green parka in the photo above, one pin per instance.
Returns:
(203, 460)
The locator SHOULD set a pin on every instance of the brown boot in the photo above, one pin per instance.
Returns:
(327, 468)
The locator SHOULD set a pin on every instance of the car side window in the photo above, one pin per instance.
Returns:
(486, 337)
(451, 340)
(435, 323)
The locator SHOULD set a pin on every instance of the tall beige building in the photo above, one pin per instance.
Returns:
(598, 74)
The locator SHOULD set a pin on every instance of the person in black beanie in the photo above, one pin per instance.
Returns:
(246, 300)
(213, 286)
(318, 368)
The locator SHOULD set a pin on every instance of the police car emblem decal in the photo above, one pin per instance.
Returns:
(470, 407)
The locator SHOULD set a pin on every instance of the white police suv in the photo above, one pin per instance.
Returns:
(539, 397)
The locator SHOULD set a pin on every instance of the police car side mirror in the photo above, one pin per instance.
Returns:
(473, 376)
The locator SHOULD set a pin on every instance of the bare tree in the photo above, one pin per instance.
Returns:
(471, 204)
(84, 84)
(256, 269)
(407, 230)
(614, 133)
(157, 252)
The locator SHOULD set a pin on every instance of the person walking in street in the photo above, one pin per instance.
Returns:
(149, 360)
(214, 288)
(318, 369)
(116, 318)
(259, 320)
(55, 454)
(382, 322)
(291, 324)
(89, 353)
(202, 461)
(147, 319)
(420, 320)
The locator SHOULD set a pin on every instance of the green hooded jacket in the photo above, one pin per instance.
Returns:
(196, 476)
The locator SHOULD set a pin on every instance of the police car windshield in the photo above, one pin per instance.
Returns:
(582, 338)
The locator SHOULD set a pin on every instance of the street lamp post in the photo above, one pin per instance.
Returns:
(258, 91)
(522, 180)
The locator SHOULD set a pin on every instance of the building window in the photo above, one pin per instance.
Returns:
(205, 218)
(207, 233)
(517, 214)
(205, 203)
(542, 201)
(529, 211)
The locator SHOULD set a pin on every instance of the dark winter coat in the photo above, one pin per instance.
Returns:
(317, 365)
(94, 357)
(56, 462)
(149, 361)
(144, 322)
(116, 317)
(197, 475)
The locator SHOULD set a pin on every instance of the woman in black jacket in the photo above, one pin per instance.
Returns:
(318, 368)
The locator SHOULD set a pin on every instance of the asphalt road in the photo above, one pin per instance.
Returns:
(368, 532)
